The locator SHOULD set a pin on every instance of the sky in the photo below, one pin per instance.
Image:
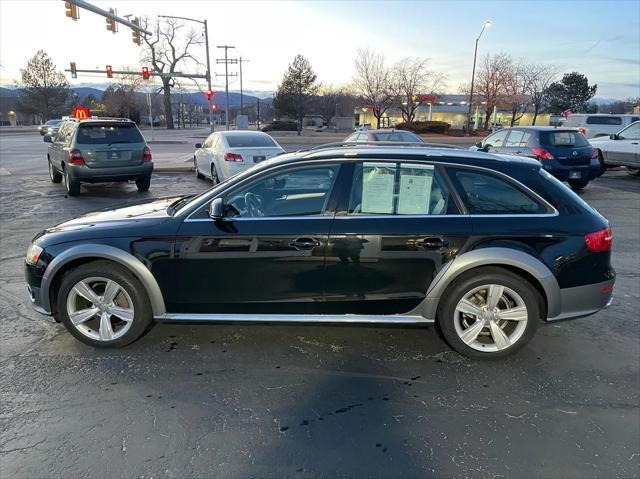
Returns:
(598, 39)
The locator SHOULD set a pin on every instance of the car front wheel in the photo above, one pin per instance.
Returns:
(633, 171)
(489, 313)
(195, 167)
(103, 305)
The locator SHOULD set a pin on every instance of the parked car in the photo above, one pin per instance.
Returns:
(49, 128)
(98, 150)
(396, 136)
(599, 124)
(226, 153)
(621, 148)
(563, 152)
(484, 245)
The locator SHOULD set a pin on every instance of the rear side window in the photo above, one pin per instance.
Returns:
(387, 188)
(109, 133)
(249, 141)
(604, 120)
(488, 194)
(573, 139)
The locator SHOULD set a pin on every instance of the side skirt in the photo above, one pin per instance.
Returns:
(294, 318)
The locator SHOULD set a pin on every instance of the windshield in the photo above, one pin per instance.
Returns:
(570, 138)
(243, 140)
(53, 122)
(403, 136)
(108, 133)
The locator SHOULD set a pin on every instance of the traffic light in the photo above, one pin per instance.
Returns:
(209, 94)
(135, 34)
(145, 73)
(111, 23)
(109, 71)
(71, 10)
(214, 107)
(74, 71)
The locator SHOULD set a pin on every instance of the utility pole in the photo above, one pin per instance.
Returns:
(240, 62)
(258, 113)
(227, 61)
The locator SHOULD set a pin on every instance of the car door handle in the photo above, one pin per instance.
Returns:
(304, 244)
(433, 243)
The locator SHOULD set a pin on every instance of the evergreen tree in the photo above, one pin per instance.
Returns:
(295, 92)
(43, 90)
(572, 92)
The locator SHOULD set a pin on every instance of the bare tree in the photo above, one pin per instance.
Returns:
(168, 50)
(122, 98)
(492, 80)
(539, 79)
(410, 79)
(333, 101)
(372, 82)
(517, 87)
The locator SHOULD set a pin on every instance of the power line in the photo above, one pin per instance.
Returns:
(227, 61)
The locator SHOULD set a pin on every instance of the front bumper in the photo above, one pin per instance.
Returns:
(116, 173)
(582, 301)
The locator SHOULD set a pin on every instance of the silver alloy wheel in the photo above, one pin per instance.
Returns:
(490, 318)
(65, 180)
(51, 171)
(100, 308)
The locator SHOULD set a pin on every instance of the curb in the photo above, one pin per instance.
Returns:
(173, 169)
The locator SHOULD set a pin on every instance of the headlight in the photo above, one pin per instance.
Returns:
(33, 253)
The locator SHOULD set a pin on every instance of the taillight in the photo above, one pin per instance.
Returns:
(232, 157)
(599, 240)
(582, 130)
(594, 154)
(146, 154)
(542, 154)
(75, 157)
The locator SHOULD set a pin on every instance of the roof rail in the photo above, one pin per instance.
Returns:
(380, 143)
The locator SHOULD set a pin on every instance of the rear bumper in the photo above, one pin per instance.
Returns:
(116, 173)
(563, 172)
(582, 301)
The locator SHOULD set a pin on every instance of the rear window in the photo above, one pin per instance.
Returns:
(398, 136)
(249, 141)
(109, 133)
(604, 120)
(573, 139)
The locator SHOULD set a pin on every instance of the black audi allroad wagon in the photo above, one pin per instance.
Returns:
(485, 246)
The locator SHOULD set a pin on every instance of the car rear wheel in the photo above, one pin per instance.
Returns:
(55, 175)
(214, 175)
(633, 171)
(72, 186)
(577, 185)
(143, 183)
(489, 313)
(103, 305)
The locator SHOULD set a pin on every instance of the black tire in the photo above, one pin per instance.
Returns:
(143, 316)
(143, 183)
(214, 175)
(55, 175)
(72, 185)
(633, 171)
(603, 166)
(461, 286)
(199, 175)
(577, 185)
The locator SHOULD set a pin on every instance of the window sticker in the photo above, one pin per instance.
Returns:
(415, 189)
(377, 188)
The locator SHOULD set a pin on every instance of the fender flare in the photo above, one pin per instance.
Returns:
(493, 256)
(101, 251)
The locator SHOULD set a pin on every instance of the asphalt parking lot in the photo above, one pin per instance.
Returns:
(308, 402)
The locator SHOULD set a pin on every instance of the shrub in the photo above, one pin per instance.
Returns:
(424, 126)
(281, 125)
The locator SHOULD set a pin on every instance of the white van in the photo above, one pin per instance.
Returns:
(599, 124)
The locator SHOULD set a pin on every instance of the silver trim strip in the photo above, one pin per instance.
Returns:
(295, 318)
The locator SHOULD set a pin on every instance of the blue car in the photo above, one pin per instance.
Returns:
(565, 153)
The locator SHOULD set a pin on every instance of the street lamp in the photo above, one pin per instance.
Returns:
(486, 24)
(206, 41)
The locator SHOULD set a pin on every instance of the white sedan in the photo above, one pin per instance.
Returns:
(621, 149)
(225, 153)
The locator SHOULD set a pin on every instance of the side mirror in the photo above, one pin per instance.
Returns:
(47, 139)
(198, 145)
(216, 209)
(479, 144)
(613, 136)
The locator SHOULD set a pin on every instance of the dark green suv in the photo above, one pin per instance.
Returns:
(98, 150)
